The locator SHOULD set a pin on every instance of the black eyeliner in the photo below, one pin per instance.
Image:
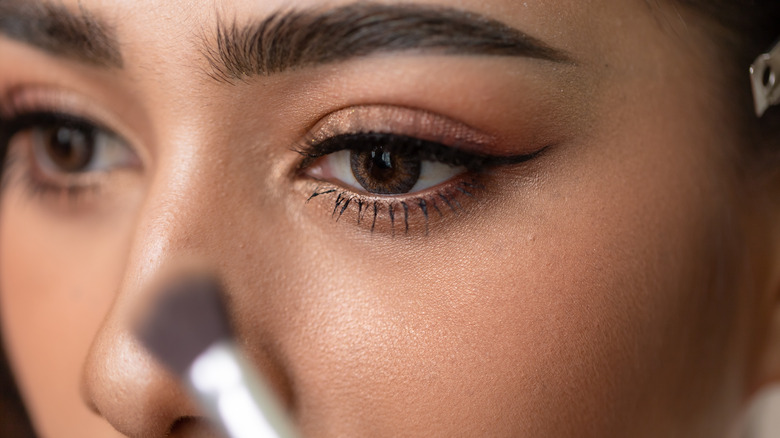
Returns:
(38, 119)
(409, 146)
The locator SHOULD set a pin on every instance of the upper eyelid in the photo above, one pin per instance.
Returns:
(313, 151)
(25, 120)
(322, 148)
(402, 120)
(37, 98)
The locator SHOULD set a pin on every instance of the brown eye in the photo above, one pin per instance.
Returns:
(69, 149)
(385, 172)
(385, 164)
(63, 146)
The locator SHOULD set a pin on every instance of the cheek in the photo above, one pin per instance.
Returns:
(57, 282)
(595, 305)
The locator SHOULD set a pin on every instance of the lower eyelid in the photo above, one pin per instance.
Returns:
(408, 215)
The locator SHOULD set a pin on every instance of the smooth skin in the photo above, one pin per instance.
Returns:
(623, 283)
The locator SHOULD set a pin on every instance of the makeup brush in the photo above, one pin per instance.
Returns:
(187, 330)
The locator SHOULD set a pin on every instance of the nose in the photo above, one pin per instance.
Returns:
(121, 381)
(125, 386)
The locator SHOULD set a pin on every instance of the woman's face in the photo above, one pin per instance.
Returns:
(608, 279)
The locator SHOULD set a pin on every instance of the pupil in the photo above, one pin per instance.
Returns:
(70, 149)
(382, 160)
(381, 165)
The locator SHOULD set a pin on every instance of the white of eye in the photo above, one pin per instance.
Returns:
(338, 166)
(433, 173)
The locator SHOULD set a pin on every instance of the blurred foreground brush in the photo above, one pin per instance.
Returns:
(187, 330)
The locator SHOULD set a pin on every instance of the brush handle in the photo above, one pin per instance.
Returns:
(234, 395)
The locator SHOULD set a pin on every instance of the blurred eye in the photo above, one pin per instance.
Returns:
(59, 146)
(385, 165)
(62, 155)
(68, 147)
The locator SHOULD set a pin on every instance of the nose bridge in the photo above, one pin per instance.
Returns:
(183, 213)
(177, 210)
(177, 219)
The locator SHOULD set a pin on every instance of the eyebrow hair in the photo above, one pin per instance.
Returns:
(55, 29)
(305, 38)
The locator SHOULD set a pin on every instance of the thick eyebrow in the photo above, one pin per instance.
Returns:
(305, 38)
(55, 29)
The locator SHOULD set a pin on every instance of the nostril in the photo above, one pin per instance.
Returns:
(192, 427)
(182, 423)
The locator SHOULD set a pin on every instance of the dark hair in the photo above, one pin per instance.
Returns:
(753, 24)
(745, 29)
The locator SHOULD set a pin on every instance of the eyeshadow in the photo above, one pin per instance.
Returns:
(401, 121)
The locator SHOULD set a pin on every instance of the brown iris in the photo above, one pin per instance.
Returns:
(385, 172)
(69, 148)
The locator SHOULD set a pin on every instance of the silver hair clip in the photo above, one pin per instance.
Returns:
(765, 74)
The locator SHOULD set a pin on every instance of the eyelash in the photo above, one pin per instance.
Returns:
(425, 204)
(439, 199)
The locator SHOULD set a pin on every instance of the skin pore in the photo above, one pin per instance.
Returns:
(619, 282)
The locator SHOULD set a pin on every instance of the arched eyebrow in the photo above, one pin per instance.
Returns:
(59, 31)
(306, 38)
(286, 40)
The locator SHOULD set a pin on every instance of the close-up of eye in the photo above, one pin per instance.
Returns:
(61, 153)
(394, 168)
(386, 164)
(397, 178)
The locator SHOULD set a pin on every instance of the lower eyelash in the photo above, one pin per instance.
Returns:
(398, 211)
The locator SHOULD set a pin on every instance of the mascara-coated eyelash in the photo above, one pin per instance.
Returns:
(386, 173)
